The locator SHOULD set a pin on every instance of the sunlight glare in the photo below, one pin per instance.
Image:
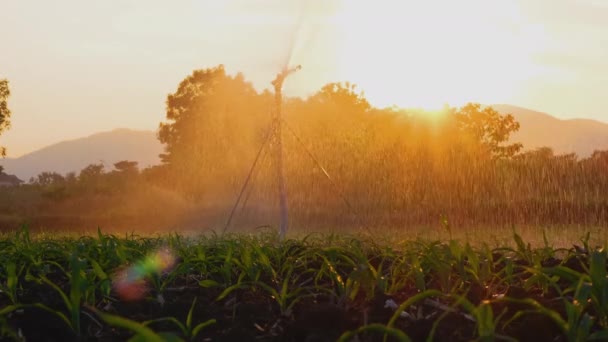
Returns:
(472, 50)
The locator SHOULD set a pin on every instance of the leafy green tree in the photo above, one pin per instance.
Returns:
(48, 178)
(539, 155)
(92, 172)
(127, 167)
(213, 120)
(344, 96)
(71, 178)
(337, 115)
(126, 173)
(489, 128)
(158, 175)
(5, 112)
(205, 102)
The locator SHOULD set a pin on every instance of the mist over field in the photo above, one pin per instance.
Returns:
(346, 165)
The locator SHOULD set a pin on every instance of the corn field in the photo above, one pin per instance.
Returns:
(314, 288)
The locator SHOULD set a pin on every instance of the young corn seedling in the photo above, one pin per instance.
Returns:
(188, 329)
(374, 328)
(11, 286)
(142, 332)
(72, 300)
(343, 290)
(484, 319)
(289, 292)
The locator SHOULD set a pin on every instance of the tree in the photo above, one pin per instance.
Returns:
(92, 172)
(48, 178)
(489, 128)
(5, 112)
(344, 96)
(126, 173)
(541, 154)
(213, 123)
(337, 115)
(127, 167)
(71, 177)
(206, 106)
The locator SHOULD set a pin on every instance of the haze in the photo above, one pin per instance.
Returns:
(81, 67)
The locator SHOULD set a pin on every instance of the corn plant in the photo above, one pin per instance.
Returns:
(189, 329)
(71, 300)
(483, 315)
(11, 286)
(142, 332)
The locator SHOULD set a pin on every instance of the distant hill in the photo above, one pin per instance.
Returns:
(73, 155)
(581, 136)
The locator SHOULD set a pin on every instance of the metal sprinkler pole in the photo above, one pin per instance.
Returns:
(278, 97)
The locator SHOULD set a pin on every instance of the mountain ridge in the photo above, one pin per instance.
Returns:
(538, 129)
(107, 147)
(497, 106)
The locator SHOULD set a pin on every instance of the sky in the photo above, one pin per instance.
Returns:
(79, 67)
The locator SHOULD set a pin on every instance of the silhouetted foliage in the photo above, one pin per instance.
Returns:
(47, 178)
(127, 167)
(5, 112)
(91, 173)
(211, 125)
(490, 128)
(393, 166)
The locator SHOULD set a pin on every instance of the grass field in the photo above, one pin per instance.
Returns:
(317, 287)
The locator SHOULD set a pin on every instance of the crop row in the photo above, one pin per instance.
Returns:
(321, 287)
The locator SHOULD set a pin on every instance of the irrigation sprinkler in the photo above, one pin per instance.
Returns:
(275, 132)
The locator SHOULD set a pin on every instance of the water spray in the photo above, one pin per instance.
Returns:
(275, 131)
(275, 135)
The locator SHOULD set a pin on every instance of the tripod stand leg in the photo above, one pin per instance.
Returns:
(331, 181)
(283, 206)
(248, 179)
(282, 188)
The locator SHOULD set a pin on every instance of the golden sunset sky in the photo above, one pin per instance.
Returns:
(77, 67)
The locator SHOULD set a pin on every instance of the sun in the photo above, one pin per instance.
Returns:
(429, 54)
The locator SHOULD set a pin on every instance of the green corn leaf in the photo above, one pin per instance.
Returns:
(197, 329)
(98, 270)
(173, 320)
(412, 300)
(142, 332)
(601, 335)
(521, 246)
(66, 300)
(77, 283)
(376, 328)
(208, 283)
(9, 308)
(564, 273)
(231, 289)
(190, 313)
(485, 320)
(57, 313)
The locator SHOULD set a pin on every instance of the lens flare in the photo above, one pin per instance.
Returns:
(130, 282)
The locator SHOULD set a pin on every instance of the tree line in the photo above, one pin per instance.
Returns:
(347, 162)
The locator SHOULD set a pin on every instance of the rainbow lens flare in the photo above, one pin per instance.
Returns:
(130, 282)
